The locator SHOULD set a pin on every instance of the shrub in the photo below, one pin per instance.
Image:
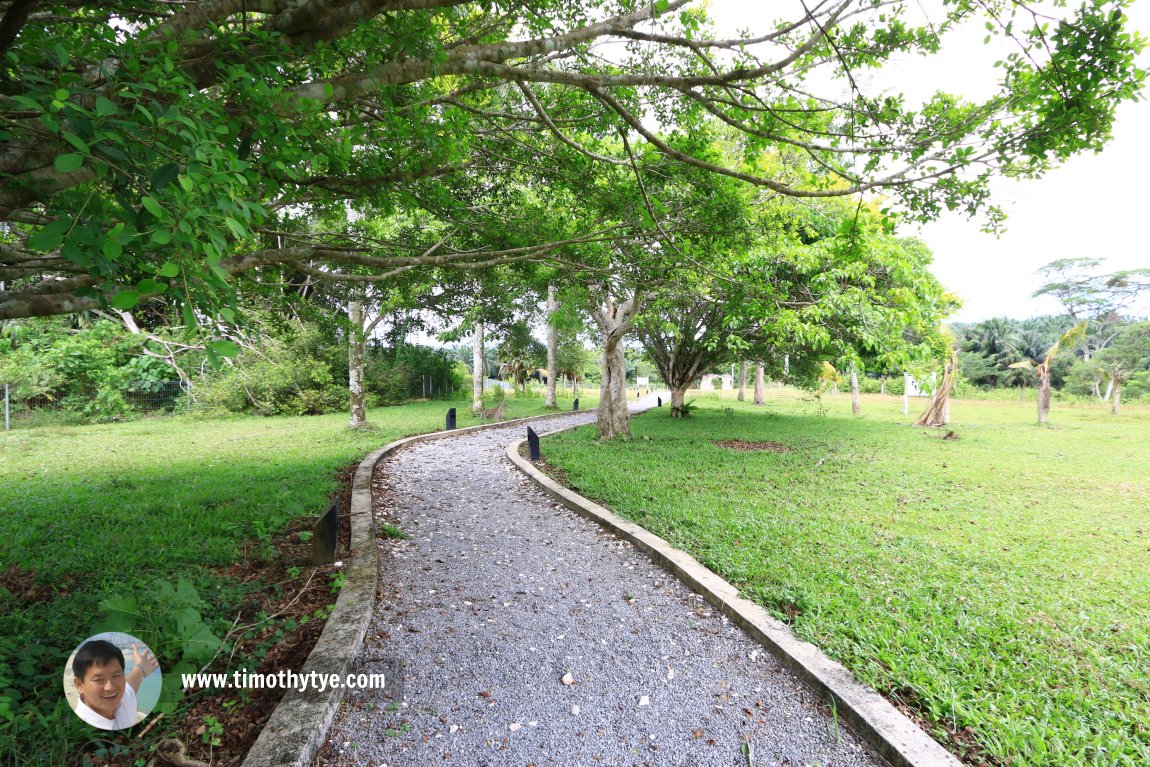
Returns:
(85, 372)
(279, 379)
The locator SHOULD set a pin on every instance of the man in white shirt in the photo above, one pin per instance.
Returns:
(107, 694)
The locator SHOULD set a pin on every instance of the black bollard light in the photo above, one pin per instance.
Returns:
(660, 401)
(576, 406)
(451, 419)
(533, 443)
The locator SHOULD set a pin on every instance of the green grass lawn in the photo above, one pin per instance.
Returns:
(997, 584)
(92, 512)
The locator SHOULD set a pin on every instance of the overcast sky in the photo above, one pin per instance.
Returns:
(1094, 205)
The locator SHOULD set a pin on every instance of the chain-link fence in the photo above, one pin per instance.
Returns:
(142, 397)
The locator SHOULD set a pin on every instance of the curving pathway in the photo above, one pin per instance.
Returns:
(500, 594)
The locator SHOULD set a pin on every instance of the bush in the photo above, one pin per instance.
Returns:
(393, 376)
(279, 379)
(389, 386)
(86, 372)
(1137, 387)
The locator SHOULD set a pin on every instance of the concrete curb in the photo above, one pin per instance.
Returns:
(893, 735)
(300, 722)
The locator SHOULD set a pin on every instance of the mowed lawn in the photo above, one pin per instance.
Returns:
(90, 512)
(997, 584)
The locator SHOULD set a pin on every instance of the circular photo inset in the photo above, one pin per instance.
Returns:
(112, 680)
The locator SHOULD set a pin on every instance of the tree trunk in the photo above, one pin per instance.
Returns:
(742, 380)
(1109, 390)
(1043, 394)
(856, 404)
(1021, 392)
(678, 395)
(478, 370)
(1117, 404)
(355, 349)
(614, 321)
(552, 347)
(786, 364)
(882, 386)
(938, 414)
(759, 382)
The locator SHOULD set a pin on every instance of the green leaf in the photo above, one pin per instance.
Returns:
(125, 299)
(161, 237)
(169, 270)
(153, 207)
(189, 316)
(201, 644)
(147, 286)
(224, 348)
(50, 237)
(66, 163)
(113, 249)
(236, 227)
(75, 141)
(105, 107)
(164, 175)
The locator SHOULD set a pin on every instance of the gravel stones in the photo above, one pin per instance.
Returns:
(528, 635)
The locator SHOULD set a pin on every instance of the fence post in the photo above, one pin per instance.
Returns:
(7, 426)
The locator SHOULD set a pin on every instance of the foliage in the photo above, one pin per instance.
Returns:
(989, 348)
(520, 355)
(1128, 354)
(876, 301)
(169, 619)
(394, 376)
(87, 371)
(1003, 599)
(280, 376)
(157, 152)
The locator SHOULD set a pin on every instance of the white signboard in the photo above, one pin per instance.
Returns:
(642, 381)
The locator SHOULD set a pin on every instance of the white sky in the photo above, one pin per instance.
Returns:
(1094, 205)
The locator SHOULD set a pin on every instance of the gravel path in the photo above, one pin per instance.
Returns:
(500, 593)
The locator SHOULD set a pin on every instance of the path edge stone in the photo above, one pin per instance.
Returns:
(895, 737)
(299, 725)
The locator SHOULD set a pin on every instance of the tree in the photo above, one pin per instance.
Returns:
(614, 318)
(938, 412)
(851, 293)
(552, 346)
(1098, 300)
(1128, 355)
(166, 150)
(572, 359)
(1042, 368)
(519, 354)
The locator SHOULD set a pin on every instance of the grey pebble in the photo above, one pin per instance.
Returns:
(500, 593)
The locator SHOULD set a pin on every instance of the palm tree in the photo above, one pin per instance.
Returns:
(1042, 369)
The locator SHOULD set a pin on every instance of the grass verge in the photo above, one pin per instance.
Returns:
(97, 519)
(995, 584)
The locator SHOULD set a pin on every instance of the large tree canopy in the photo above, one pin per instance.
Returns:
(162, 149)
